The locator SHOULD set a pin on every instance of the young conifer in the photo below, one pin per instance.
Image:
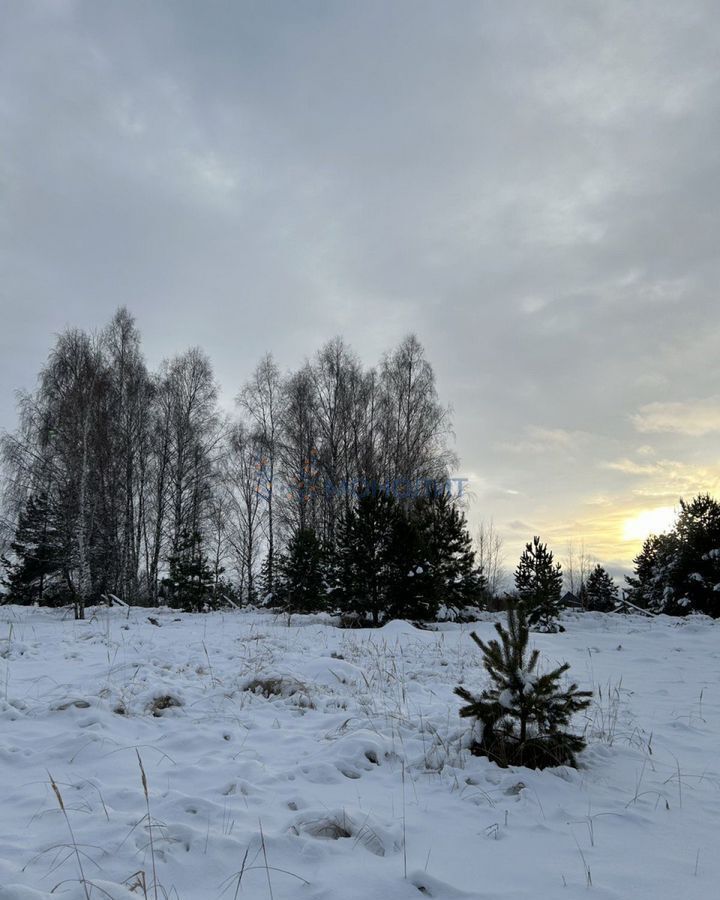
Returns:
(300, 583)
(601, 593)
(523, 715)
(538, 582)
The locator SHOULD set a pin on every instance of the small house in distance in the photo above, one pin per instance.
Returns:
(569, 599)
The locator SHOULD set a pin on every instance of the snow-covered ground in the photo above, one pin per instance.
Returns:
(316, 763)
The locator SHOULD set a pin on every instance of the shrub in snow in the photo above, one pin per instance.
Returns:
(522, 717)
(538, 582)
(276, 687)
(162, 702)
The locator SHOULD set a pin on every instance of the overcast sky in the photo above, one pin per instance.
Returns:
(531, 187)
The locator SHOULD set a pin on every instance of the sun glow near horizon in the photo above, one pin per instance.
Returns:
(649, 521)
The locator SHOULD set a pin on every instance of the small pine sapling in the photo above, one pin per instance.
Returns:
(523, 715)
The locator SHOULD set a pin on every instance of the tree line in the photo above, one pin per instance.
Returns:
(328, 489)
(128, 482)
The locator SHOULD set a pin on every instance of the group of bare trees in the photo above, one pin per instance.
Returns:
(122, 459)
(120, 471)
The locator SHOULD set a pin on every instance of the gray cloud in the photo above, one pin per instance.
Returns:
(693, 417)
(532, 188)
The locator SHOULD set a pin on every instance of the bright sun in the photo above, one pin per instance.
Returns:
(650, 521)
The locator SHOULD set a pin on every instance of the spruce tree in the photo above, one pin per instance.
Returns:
(523, 715)
(370, 542)
(601, 593)
(695, 578)
(435, 560)
(538, 582)
(414, 576)
(648, 586)
(300, 582)
(679, 572)
(33, 574)
(191, 581)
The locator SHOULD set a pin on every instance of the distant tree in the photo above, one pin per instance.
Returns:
(679, 572)
(402, 560)
(524, 714)
(601, 592)
(695, 577)
(336, 374)
(191, 580)
(648, 586)
(73, 384)
(122, 453)
(413, 425)
(195, 440)
(490, 557)
(575, 568)
(33, 573)
(369, 543)
(244, 480)
(261, 400)
(297, 453)
(538, 583)
(301, 583)
(435, 559)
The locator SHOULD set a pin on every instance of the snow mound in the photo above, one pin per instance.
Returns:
(345, 824)
(331, 672)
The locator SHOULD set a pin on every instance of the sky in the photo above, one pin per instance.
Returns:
(531, 188)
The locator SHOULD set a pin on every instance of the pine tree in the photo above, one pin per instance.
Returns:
(34, 573)
(679, 572)
(435, 560)
(601, 593)
(191, 580)
(538, 581)
(648, 586)
(695, 579)
(267, 570)
(300, 583)
(414, 578)
(369, 543)
(523, 715)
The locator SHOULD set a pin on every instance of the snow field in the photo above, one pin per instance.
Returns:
(306, 761)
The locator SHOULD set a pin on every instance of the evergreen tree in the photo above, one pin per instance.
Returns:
(695, 578)
(601, 593)
(679, 572)
(583, 595)
(34, 573)
(300, 583)
(414, 576)
(435, 560)
(191, 580)
(523, 714)
(369, 543)
(538, 581)
(266, 579)
(653, 566)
